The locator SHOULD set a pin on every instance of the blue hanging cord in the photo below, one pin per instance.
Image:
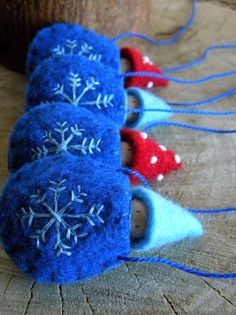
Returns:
(182, 111)
(206, 101)
(179, 266)
(136, 174)
(212, 211)
(176, 124)
(177, 80)
(167, 41)
(199, 59)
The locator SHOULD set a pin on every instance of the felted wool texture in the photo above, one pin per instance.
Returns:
(81, 83)
(149, 158)
(167, 222)
(61, 38)
(77, 210)
(141, 63)
(147, 101)
(59, 128)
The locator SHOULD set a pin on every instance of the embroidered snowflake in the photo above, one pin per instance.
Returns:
(71, 47)
(75, 97)
(66, 135)
(57, 218)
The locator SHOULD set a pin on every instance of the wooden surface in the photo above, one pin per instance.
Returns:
(207, 180)
(20, 20)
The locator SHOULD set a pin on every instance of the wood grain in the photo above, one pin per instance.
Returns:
(208, 180)
(20, 20)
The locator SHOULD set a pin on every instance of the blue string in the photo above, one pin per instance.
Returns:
(179, 266)
(183, 111)
(176, 124)
(177, 80)
(212, 211)
(199, 59)
(138, 175)
(167, 41)
(207, 101)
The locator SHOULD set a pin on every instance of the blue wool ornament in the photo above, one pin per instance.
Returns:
(65, 219)
(58, 128)
(147, 102)
(166, 222)
(79, 82)
(61, 39)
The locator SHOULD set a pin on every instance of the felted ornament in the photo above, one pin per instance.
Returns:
(149, 158)
(140, 63)
(147, 101)
(167, 222)
(65, 219)
(59, 128)
(61, 39)
(81, 83)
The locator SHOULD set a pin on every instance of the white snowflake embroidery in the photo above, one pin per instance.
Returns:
(71, 47)
(74, 82)
(57, 217)
(66, 135)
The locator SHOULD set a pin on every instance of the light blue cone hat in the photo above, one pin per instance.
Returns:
(166, 222)
(148, 101)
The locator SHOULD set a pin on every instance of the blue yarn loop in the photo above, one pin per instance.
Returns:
(177, 80)
(167, 41)
(199, 59)
(178, 266)
(212, 211)
(136, 174)
(181, 125)
(206, 101)
(182, 111)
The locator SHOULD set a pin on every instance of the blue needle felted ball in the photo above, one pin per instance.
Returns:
(65, 219)
(61, 39)
(58, 128)
(81, 83)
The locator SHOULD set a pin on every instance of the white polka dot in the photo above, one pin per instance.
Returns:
(160, 177)
(146, 59)
(150, 84)
(177, 158)
(144, 135)
(154, 159)
(162, 147)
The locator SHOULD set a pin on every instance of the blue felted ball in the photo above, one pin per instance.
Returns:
(65, 219)
(59, 128)
(60, 39)
(81, 83)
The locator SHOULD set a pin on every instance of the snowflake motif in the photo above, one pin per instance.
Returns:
(66, 134)
(57, 218)
(74, 81)
(71, 48)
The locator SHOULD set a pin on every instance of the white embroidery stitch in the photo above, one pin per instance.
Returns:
(71, 47)
(66, 135)
(74, 81)
(58, 217)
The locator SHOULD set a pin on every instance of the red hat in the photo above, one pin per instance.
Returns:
(151, 159)
(140, 63)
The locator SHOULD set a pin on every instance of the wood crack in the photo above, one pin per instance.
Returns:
(30, 298)
(87, 301)
(216, 290)
(170, 305)
(62, 300)
(223, 3)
